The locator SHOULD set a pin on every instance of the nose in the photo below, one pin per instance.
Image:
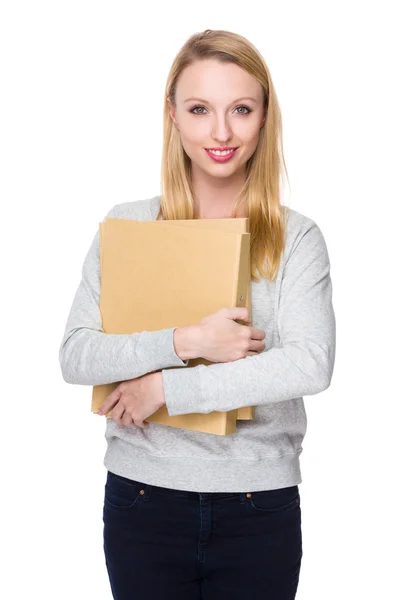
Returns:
(221, 130)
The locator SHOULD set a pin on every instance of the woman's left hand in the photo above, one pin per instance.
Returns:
(135, 400)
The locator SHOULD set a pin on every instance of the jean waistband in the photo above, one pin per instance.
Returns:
(175, 492)
(182, 493)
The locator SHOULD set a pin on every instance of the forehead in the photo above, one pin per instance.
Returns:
(214, 80)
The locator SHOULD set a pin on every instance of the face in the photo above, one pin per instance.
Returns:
(218, 105)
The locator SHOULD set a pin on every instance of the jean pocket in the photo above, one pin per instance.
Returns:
(281, 499)
(123, 493)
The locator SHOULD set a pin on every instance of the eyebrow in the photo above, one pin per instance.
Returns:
(206, 101)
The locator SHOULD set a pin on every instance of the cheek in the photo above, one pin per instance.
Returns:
(192, 140)
(250, 140)
(193, 131)
(249, 134)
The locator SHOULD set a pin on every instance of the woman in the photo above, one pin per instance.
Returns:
(190, 515)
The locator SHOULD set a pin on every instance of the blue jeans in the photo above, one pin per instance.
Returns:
(167, 544)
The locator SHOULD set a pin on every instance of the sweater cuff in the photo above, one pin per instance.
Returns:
(161, 346)
(182, 391)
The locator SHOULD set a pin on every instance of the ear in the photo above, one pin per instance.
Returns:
(262, 123)
(172, 112)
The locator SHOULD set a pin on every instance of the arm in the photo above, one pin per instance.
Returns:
(303, 365)
(88, 356)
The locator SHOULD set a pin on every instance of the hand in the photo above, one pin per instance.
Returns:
(135, 400)
(221, 339)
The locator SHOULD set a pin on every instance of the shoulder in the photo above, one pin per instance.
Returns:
(296, 221)
(300, 230)
(137, 210)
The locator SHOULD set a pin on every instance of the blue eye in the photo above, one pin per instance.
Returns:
(201, 113)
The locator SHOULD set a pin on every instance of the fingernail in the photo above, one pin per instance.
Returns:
(99, 412)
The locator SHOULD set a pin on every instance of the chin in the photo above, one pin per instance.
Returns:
(222, 173)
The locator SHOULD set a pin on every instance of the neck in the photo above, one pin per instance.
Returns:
(215, 197)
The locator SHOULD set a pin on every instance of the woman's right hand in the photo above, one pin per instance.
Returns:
(220, 339)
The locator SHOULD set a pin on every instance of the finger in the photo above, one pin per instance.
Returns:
(127, 419)
(109, 402)
(257, 346)
(258, 334)
(117, 412)
(140, 423)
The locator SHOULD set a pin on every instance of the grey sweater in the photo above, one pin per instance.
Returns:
(297, 314)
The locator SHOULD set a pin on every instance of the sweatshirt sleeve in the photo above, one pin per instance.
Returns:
(88, 356)
(302, 365)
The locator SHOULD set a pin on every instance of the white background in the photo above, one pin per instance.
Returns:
(81, 130)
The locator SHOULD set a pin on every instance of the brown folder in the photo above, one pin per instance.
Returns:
(204, 270)
(238, 225)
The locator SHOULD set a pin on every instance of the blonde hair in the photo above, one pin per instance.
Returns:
(264, 170)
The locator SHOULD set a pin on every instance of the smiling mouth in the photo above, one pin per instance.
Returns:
(221, 156)
(221, 151)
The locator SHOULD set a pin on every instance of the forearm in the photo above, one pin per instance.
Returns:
(276, 375)
(89, 357)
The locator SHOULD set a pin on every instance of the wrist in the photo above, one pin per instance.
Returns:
(162, 395)
(185, 341)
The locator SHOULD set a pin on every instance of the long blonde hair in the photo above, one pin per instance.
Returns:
(264, 170)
